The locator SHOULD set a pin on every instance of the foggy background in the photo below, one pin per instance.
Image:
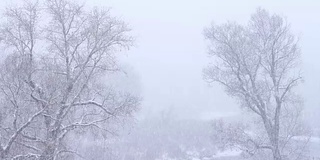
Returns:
(165, 65)
(170, 51)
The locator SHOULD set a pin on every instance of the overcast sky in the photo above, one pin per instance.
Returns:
(171, 51)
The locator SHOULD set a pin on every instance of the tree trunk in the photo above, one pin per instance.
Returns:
(276, 154)
(273, 135)
(50, 148)
(2, 154)
(276, 130)
(48, 153)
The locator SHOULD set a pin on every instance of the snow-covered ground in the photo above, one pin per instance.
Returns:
(314, 143)
(227, 153)
(315, 147)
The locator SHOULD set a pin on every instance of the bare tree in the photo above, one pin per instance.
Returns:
(257, 64)
(51, 81)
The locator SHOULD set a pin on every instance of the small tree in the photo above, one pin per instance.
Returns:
(257, 64)
(52, 79)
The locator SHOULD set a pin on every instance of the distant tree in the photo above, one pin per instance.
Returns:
(52, 81)
(258, 64)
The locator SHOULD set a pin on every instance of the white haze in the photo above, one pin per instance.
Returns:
(165, 65)
(171, 51)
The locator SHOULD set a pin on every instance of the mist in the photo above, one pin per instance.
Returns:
(157, 79)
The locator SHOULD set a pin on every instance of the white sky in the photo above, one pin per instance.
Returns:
(171, 50)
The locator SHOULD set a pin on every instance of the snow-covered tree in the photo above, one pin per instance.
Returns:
(258, 64)
(52, 81)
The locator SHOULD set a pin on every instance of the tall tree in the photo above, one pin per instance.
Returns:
(257, 64)
(52, 81)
